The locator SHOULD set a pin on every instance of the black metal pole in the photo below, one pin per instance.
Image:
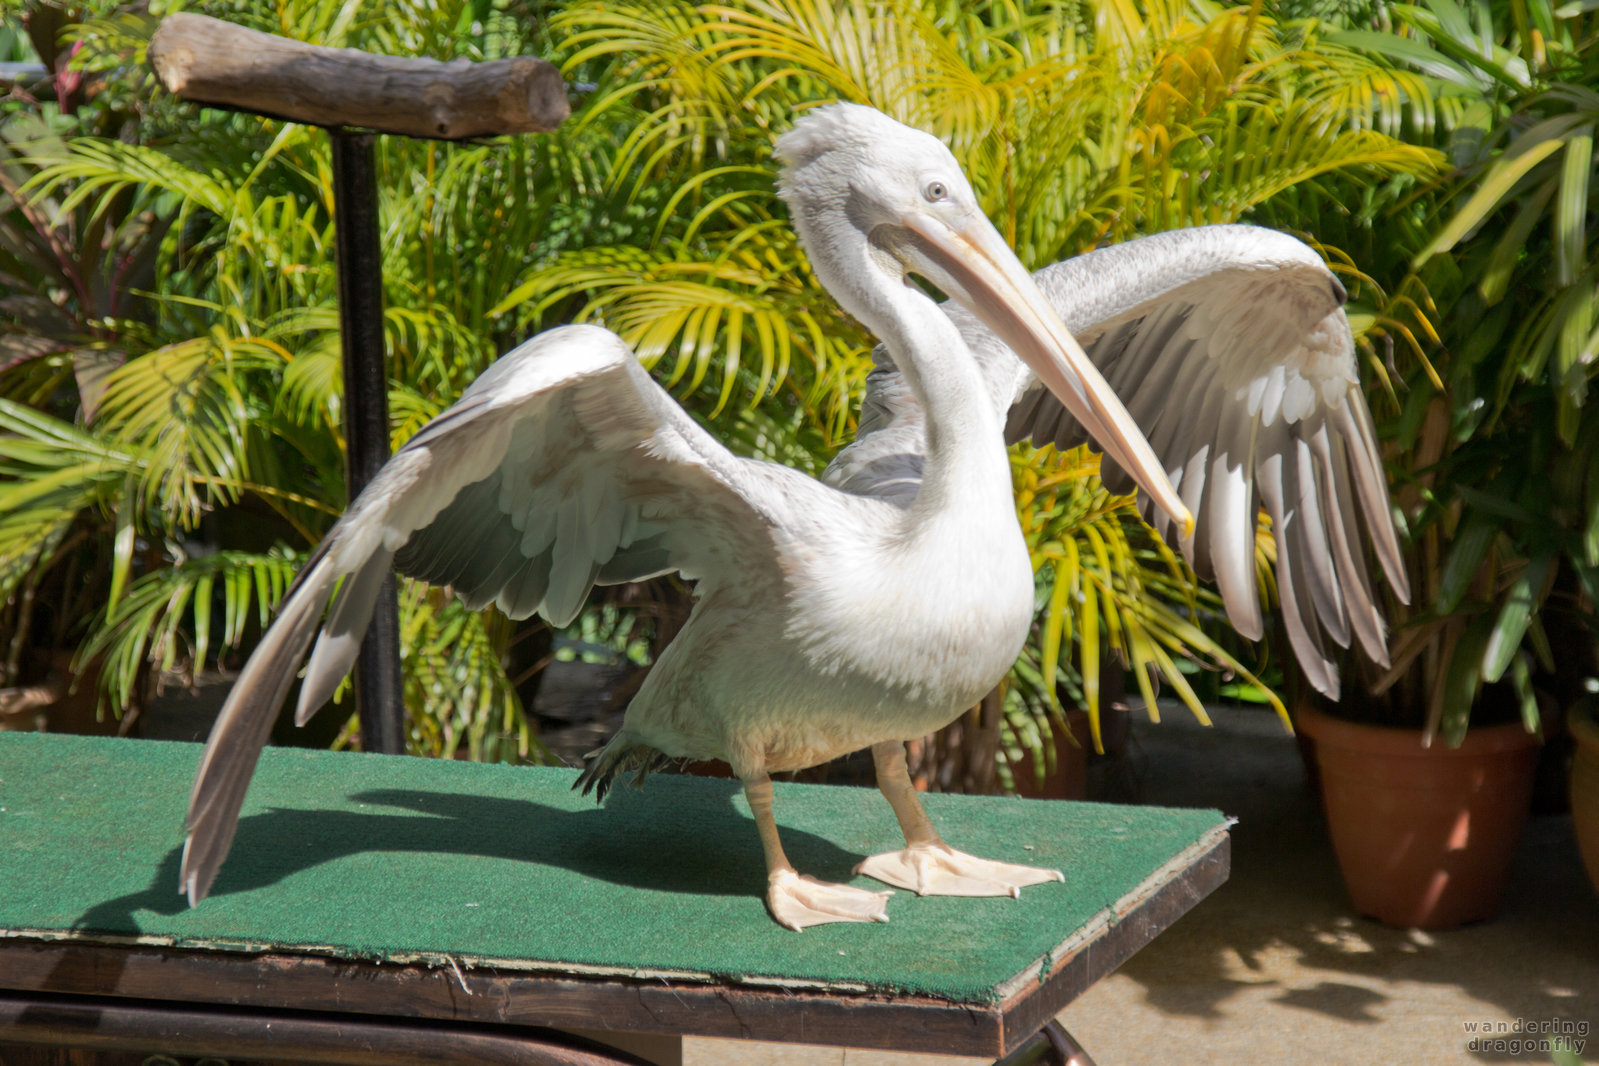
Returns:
(379, 699)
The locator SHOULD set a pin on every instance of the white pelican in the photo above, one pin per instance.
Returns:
(864, 610)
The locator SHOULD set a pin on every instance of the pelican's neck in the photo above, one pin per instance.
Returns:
(965, 468)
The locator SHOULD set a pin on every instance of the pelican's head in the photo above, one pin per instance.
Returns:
(860, 185)
(874, 200)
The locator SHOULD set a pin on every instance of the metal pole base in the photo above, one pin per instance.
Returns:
(1050, 1046)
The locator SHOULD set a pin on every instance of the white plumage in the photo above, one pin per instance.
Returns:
(875, 605)
(1230, 348)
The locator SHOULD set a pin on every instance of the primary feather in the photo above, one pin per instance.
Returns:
(1230, 348)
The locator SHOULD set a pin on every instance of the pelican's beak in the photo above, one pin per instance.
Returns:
(971, 262)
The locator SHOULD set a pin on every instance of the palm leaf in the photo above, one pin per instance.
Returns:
(168, 616)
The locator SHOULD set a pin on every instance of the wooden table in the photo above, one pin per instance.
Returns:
(384, 909)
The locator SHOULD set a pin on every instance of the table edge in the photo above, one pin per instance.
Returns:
(59, 962)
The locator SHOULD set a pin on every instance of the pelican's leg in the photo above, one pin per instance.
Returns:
(797, 901)
(928, 866)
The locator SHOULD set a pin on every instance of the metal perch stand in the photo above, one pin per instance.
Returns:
(356, 96)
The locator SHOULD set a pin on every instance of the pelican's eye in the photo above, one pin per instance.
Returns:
(935, 191)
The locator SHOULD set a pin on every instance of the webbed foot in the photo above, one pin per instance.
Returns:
(936, 869)
(797, 901)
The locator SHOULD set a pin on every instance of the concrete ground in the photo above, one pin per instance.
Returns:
(1274, 967)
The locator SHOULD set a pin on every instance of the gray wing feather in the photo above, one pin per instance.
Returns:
(525, 493)
(886, 457)
(340, 639)
(1365, 619)
(1230, 509)
(1229, 346)
(1278, 473)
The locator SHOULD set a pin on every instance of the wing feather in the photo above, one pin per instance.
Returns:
(1196, 488)
(524, 591)
(340, 639)
(497, 560)
(1229, 346)
(1320, 567)
(1365, 619)
(241, 731)
(522, 494)
(1278, 472)
(1372, 490)
(1230, 515)
(1152, 389)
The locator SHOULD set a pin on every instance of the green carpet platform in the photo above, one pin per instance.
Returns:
(426, 889)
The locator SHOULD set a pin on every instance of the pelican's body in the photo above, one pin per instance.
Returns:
(862, 610)
(869, 619)
(853, 647)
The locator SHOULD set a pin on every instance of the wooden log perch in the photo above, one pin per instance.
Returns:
(215, 62)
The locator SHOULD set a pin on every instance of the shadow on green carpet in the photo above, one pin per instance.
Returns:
(627, 843)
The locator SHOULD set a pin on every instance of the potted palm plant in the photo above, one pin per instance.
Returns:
(1442, 747)
(1501, 494)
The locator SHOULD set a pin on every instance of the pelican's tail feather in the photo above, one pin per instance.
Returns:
(620, 755)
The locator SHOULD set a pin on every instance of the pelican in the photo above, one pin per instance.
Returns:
(877, 604)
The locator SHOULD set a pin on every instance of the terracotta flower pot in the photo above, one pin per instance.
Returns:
(1424, 836)
(1067, 776)
(1585, 791)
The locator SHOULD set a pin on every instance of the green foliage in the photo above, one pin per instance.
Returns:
(165, 609)
(1524, 135)
(454, 665)
(52, 472)
(1078, 124)
(185, 257)
(1113, 587)
(1502, 486)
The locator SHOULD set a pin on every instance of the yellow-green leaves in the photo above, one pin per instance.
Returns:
(166, 617)
(454, 665)
(1077, 125)
(1120, 594)
(700, 319)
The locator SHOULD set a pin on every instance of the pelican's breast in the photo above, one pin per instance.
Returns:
(930, 617)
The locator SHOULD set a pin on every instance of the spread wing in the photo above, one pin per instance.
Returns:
(1230, 348)
(563, 466)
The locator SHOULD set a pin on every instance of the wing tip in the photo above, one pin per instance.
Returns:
(191, 884)
(1328, 685)
(305, 709)
(1251, 626)
(1399, 581)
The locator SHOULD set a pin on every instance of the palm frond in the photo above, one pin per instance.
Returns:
(50, 473)
(1113, 588)
(460, 697)
(690, 313)
(175, 616)
(189, 409)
